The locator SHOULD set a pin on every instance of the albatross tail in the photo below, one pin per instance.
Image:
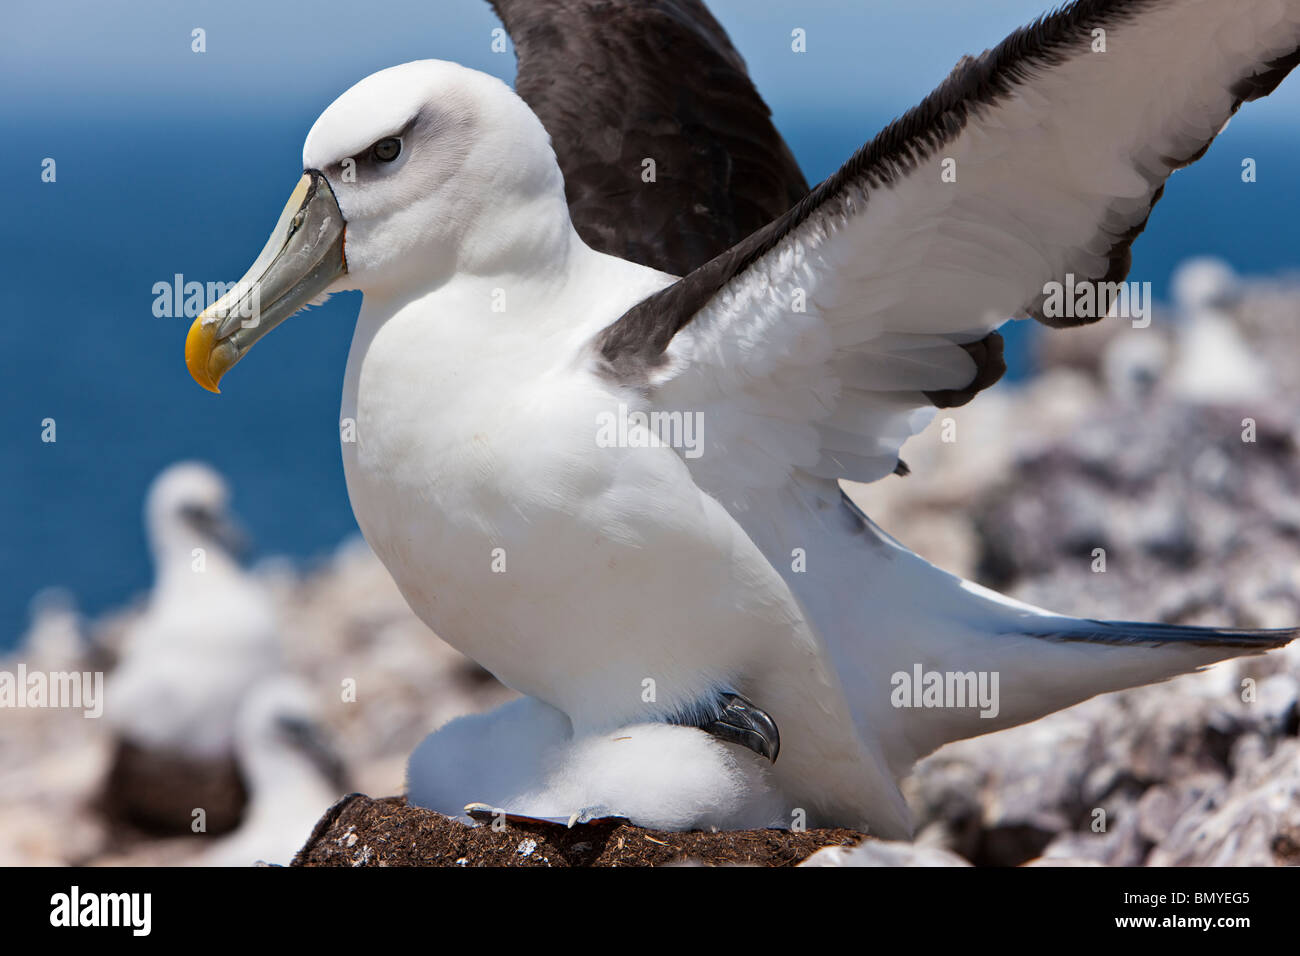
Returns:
(1025, 665)
(942, 658)
(1022, 663)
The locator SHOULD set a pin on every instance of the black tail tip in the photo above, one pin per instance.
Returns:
(1254, 640)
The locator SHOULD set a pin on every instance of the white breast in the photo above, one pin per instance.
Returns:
(600, 580)
(477, 480)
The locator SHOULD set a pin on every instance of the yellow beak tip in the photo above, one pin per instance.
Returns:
(198, 352)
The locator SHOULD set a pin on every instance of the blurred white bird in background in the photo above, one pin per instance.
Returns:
(56, 639)
(1211, 361)
(291, 769)
(207, 635)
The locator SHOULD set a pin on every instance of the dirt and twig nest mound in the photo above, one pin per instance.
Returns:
(361, 831)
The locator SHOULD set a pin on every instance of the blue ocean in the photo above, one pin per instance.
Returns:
(193, 188)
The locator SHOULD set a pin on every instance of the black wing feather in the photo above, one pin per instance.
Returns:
(616, 82)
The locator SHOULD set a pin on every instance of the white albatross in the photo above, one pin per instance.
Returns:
(207, 634)
(1211, 361)
(735, 591)
(293, 774)
(208, 631)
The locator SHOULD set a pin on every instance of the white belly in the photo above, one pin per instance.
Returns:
(599, 580)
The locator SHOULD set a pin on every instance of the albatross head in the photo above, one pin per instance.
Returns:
(416, 173)
(188, 506)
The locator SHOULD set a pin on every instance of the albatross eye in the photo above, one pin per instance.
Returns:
(386, 150)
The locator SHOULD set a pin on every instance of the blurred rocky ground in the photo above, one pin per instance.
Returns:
(1142, 473)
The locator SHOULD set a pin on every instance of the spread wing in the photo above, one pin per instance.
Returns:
(620, 82)
(826, 338)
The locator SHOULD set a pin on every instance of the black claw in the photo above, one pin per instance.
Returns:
(740, 722)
